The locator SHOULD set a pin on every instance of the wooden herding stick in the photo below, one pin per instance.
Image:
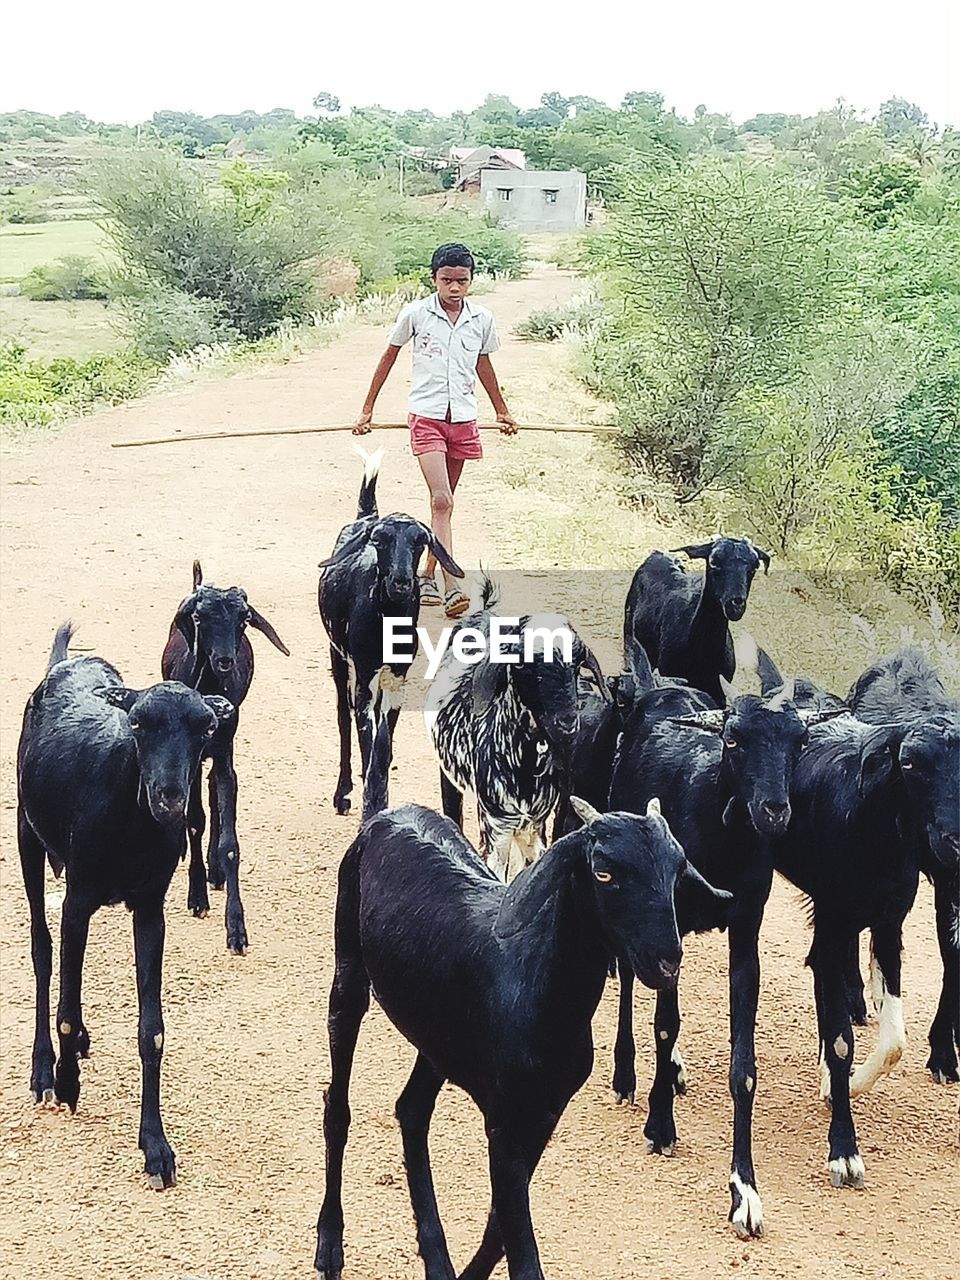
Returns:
(572, 428)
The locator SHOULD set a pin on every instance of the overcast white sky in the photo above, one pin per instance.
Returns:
(117, 60)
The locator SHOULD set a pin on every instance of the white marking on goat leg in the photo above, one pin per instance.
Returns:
(891, 1042)
(878, 985)
(746, 1216)
(158, 1040)
(847, 1171)
(840, 1047)
(677, 1061)
(826, 1087)
(65, 1028)
(664, 1035)
(231, 854)
(749, 1082)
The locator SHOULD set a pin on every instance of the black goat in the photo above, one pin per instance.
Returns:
(372, 576)
(505, 729)
(905, 687)
(725, 781)
(680, 619)
(495, 987)
(208, 650)
(864, 800)
(103, 776)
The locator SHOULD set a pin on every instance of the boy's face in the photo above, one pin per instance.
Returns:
(453, 283)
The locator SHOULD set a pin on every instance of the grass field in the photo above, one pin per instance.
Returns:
(24, 246)
(52, 329)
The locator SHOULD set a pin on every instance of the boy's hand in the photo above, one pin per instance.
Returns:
(507, 425)
(362, 425)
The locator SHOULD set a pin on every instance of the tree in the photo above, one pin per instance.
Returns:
(883, 189)
(328, 103)
(556, 103)
(898, 118)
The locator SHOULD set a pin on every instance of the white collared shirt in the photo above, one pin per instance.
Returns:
(445, 356)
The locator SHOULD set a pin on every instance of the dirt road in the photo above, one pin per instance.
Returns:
(107, 538)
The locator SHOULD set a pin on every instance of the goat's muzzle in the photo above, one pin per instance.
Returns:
(735, 608)
(770, 817)
(168, 804)
(223, 664)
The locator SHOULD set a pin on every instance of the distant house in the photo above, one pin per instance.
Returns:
(471, 161)
(536, 199)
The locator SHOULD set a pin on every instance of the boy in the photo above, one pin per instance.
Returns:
(452, 343)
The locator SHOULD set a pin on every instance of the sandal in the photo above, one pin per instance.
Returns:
(455, 603)
(429, 594)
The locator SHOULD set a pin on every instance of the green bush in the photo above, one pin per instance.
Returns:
(580, 317)
(35, 393)
(169, 322)
(244, 250)
(67, 279)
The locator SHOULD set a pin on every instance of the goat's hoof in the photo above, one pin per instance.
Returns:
(630, 1097)
(342, 805)
(846, 1171)
(45, 1098)
(200, 913)
(67, 1089)
(160, 1165)
(661, 1134)
(328, 1261)
(942, 1065)
(661, 1148)
(746, 1210)
(237, 942)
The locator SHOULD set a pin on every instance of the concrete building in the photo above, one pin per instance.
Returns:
(536, 199)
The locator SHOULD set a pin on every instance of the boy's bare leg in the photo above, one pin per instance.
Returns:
(441, 474)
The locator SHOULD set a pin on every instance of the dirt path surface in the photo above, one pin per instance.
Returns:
(107, 538)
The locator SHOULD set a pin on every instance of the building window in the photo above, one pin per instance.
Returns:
(503, 193)
(551, 196)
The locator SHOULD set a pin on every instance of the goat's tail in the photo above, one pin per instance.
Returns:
(351, 984)
(61, 644)
(489, 591)
(367, 503)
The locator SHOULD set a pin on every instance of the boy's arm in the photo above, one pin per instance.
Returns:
(488, 380)
(386, 363)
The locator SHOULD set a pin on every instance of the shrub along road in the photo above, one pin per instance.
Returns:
(107, 537)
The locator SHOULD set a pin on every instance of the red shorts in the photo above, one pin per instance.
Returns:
(455, 439)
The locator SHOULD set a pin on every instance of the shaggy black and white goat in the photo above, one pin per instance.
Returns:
(724, 777)
(681, 619)
(495, 987)
(103, 777)
(209, 650)
(905, 688)
(504, 729)
(372, 575)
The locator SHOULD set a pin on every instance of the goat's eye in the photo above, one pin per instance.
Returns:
(196, 618)
(604, 877)
(730, 742)
(906, 765)
(134, 724)
(211, 731)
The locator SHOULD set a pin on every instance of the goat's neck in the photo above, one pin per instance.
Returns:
(709, 622)
(562, 951)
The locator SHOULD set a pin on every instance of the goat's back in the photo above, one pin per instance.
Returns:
(662, 600)
(901, 685)
(76, 754)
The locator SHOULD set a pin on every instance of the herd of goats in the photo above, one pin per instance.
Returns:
(674, 793)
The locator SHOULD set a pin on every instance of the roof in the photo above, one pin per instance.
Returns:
(477, 156)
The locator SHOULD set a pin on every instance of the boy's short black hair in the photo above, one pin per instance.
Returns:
(452, 255)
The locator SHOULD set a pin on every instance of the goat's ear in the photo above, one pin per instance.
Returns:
(587, 658)
(701, 552)
(349, 548)
(526, 896)
(489, 682)
(764, 559)
(257, 620)
(444, 557)
(876, 763)
(707, 721)
(705, 906)
(222, 708)
(118, 696)
(183, 620)
(197, 574)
